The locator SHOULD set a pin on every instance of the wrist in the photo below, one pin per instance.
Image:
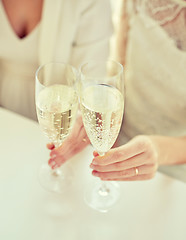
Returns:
(170, 150)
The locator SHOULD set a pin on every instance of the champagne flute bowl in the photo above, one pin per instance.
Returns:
(101, 95)
(56, 104)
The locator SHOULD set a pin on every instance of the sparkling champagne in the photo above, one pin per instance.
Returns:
(102, 109)
(56, 110)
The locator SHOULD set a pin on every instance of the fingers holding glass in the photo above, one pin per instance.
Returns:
(75, 143)
(118, 164)
(136, 160)
(139, 167)
(142, 172)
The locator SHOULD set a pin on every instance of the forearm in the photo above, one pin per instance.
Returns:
(171, 150)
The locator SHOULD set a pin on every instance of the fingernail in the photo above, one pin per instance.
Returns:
(96, 174)
(53, 155)
(91, 166)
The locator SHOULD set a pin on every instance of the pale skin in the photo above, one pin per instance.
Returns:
(143, 152)
(23, 15)
(75, 143)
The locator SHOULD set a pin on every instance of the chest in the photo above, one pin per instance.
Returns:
(23, 16)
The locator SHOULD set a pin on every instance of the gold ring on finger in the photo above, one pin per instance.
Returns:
(136, 171)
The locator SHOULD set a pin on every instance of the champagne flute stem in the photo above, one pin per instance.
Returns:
(56, 172)
(103, 190)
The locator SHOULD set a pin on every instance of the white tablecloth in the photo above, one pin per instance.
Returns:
(149, 210)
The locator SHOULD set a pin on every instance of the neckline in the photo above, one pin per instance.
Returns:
(11, 30)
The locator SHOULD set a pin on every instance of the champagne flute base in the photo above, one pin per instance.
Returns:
(100, 199)
(57, 180)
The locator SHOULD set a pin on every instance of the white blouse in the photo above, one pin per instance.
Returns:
(69, 31)
(18, 63)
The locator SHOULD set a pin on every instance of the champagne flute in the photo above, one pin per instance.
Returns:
(101, 95)
(56, 105)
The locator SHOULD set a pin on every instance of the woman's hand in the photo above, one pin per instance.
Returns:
(74, 143)
(136, 160)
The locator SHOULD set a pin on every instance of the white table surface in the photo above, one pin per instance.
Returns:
(148, 210)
